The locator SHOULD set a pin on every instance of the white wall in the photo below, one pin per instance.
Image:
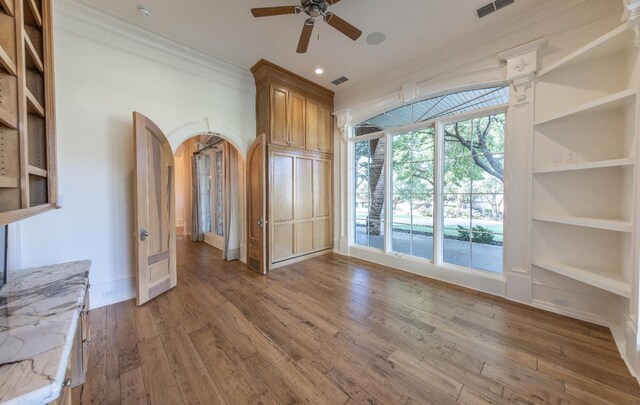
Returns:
(105, 70)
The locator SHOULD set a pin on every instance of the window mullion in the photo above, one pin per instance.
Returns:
(388, 189)
(438, 200)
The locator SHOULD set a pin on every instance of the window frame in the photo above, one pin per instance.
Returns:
(438, 124)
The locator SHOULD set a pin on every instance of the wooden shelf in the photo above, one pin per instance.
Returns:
(586, 165)
(8, 119)
(602, 104)
(609, 283)
(36, 171)
(612, 43)
(33, 106)
(7, 6)
(9, 182)
(33, 18)
(33, 60)
(7, 63)
(605, 224)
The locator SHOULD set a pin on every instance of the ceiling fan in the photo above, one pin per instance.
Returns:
(314, 9)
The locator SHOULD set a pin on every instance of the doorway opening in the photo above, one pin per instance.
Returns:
(210, 194)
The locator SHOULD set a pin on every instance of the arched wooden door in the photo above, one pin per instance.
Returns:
(256, 206)
(155, 211)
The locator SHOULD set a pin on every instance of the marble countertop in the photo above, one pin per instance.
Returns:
(39, 311)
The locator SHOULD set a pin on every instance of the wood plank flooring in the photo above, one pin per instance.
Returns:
(334, 330)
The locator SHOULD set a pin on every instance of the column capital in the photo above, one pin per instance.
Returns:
(344, 121)
(522, 64)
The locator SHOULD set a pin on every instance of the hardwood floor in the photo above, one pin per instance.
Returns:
(336, 330)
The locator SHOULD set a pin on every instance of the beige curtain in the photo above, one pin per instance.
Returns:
(232, 186)
(196, 219)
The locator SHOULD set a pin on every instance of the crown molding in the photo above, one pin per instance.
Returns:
(94, 24)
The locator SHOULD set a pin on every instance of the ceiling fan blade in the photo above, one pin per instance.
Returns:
(342, 26)
(332, 2)
(305, 36)
(271, 11)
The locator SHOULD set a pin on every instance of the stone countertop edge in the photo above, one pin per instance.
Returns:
(50, 392)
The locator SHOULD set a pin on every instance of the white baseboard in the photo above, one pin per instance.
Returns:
(112, 292)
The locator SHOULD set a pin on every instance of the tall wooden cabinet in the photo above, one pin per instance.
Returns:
(27, 118)
(295, 116)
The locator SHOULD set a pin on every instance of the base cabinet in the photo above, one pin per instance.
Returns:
(78, 361)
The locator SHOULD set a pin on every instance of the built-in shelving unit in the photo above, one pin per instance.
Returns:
(585, 163)
(27, 139)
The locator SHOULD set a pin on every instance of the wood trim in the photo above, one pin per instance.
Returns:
(264, 69)
(299, 152)
(299, 259)
(22, 108)
(50, 100)
(8, 119)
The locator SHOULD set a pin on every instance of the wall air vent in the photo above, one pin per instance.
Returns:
(339, 80)
(486, 10)
(503, 3)
(492, 7)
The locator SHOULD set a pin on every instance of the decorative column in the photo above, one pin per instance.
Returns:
(522, 63)
(342, 181)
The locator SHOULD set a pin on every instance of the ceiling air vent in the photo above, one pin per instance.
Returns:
(491, 7)
(339, 80)
(486, 10)
(503, 3)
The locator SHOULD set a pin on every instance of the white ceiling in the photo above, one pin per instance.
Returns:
(227, 30)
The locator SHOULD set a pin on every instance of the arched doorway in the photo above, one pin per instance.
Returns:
(210, 194)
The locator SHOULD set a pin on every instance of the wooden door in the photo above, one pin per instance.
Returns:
(155, 211)
(296, 120)
(279, 118)
(256, 206)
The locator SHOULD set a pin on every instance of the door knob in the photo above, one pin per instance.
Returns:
(260, 223)
(143, 234)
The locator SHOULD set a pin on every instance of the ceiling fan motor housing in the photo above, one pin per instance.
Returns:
(314, 8)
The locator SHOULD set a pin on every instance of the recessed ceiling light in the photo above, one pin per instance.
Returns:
(319, 71)
(144, 11)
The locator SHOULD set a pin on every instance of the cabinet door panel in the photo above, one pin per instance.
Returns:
(321, 188)
(304, 188)
(304, 237)
(279, 128)
(325, 133)
(322, 234)
(282, 242)
(296, 120)
(281, 188)
(313, 112)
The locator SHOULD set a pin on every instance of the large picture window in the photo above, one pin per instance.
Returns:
(446, 183)
(369, 193)
(473, 198)
(412, 192)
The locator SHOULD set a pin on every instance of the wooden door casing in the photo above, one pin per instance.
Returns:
(154, 184)
(256, 206)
